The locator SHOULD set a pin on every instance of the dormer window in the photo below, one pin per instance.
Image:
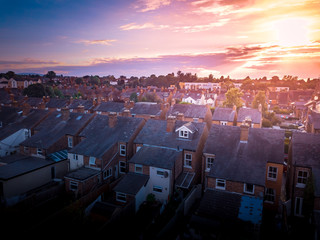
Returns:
(183, 134)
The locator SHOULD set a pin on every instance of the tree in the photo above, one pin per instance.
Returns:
(308, 198)
(260, 98)
(79, 81)
(233, 97)
(35, 90)
(51, 75)
(10, 74)
(134, 97)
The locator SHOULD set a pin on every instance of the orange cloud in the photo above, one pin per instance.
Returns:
(134, 26)
(97, 42)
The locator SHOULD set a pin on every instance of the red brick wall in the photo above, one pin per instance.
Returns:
(275, 184)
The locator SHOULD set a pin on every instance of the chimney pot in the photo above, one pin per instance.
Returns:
(126, 113)
(180, 117)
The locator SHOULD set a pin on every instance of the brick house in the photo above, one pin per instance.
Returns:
(57, 132)
(191, 113)
(245, 160)
(303, 162)
(224, 116)
(56, 104)
(187, 137)
(247, 114)
(102, 154)
(104, 108)
(149, 110)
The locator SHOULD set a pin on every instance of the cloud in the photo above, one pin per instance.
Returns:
(134, 26)
(203, 27)
(28, 61)
(149, 5)
(97, 42)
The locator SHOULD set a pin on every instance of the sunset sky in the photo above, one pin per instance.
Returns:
(238, 38)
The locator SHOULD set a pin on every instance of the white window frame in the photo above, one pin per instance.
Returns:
(75, 156)
(183, 134)
(223, 123)
(303, 179)
(271, 173)
(70, 141)
(158, 189)
(209, 165)
(269, 194)
(221, 181)
(245, 188)
(188, 162)
(39, 152)
(107, 173)
(122, 150)
(124, 165)
(27, 133)
(92, 160)
(123, 197)
(298, 206)
(138, 166)
(72, 183)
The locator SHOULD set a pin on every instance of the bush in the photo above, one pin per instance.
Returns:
(266, 123)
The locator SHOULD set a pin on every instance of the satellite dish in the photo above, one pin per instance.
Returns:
(166, 174)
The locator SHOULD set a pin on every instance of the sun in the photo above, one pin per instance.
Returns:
(292, 32)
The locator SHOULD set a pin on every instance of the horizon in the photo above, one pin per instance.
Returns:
(144, 37)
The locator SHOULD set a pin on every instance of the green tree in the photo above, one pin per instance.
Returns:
(233, 97)
(134, 97)
(35, 90)
(260, 98)
(51, 75)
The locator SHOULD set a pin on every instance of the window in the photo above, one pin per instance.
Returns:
(122, 150)
(39, 151)
(75, 156)
(70, 142)
(107, 173)
(223, 123)
(248, 188)
(160, 173)
(73, 186)
(302, 178)
(298, 206)
(26, 134)
(270, 195)
(157, 189)
(92, 161)
(188, 160)
(209, 163)
(122, 167)
(221, 184)
(138, 168)
(121, 197)
(196, 119)
(26, 149)
(272, 173)
(183, 134)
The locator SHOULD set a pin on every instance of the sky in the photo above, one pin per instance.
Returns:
(235, 38)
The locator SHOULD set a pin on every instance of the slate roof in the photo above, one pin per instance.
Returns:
(9, 115)
(131, 183)
(56, 103)
(54, 127)
(24, 122)
(34, 101)
(17, 165)
(254, 114)
(219, 204)
(99, 137)
(154, 133)
(306, 153)
(314, 118)
(223, 114)
(156, 157)
(189, 110)
(146, 108)
(88, 104)
(110, 107)
(244, 161)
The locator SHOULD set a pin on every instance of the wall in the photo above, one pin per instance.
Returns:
(277, 185)
(232, 186)
(75, 164)
(161, 181)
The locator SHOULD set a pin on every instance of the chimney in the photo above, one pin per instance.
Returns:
(25, 109)
(126, 113)
(244, 132)
(65, 113)
(80, 108)
(15, 104)
(11, 97)
(234, 108)
(180, 117)
(112, 119)
(171, 120)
